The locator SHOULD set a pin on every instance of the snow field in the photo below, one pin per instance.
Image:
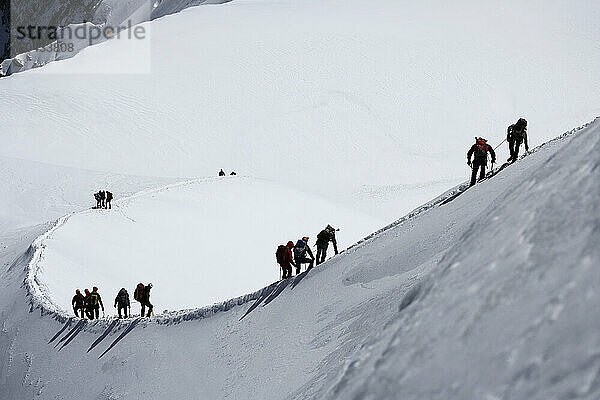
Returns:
(199, 243)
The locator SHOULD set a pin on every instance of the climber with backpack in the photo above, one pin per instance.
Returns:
(515, 135)
(285, 259)
(123, 303)
(109, 197)
(78, 304)
(323, 238)
(102, 198)
(98, 200)
(86, 303)
(94, 302)
(142, 295)
(480, 149)
(301, 249)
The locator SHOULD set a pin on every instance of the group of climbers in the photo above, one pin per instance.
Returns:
(90, 304)
(516, 135)
(103, 199)
(300, 253)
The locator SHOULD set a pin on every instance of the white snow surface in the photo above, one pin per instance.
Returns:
(342, 112)
(326, 96)
(492, 295)
(200, 242)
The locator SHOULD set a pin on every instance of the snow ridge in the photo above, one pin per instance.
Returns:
(440, 200)
(40, 299)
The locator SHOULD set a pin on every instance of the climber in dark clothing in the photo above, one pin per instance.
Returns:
(142, 294)
(323, 238)
(102, 198)
(94, 302)
(78, 304)
(98, 200)
(123, 303)
(480, 149)
(300, 251)
(515, 135)
(109, 197)
(285, 259)
(86, 303)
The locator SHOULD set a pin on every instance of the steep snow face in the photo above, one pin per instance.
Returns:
(199, 242)
(492, 295)
(327, 96)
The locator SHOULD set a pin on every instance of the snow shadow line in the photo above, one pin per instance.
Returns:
(67, 324)
(104, 335)
(132, 325)
(274, 290)
(72, 333)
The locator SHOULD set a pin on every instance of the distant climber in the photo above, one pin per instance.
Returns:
(142, 294)
(323, 238)
(515, 135)
(122, 303)
(94, 302)
(232, 173)
(86, 303)
(480, 149)
(78, 304)
(221, 172)
(98, 199)
(109, 197)
(102, 198)
(285, 259)
(301, 249)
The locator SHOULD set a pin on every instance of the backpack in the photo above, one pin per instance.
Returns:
(299, 248)
(481, 149)
(123, 296)
(518, 130)
(280, 254)
(93, 299)
(79, 300)
(324, 236)
(139, 292)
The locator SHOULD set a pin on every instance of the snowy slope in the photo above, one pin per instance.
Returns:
(355, 109)
(215, 238)
(492, 295)
(325, 96)
(34, 192)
